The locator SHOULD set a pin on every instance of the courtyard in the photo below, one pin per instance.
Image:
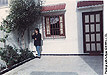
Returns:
(61, 65)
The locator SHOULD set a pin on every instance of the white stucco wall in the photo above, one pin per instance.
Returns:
(73, 43)
(68, 45)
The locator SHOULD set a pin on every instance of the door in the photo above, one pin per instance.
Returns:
(93, 32)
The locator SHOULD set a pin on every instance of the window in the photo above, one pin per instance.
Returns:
(54, 25)
(3, 2)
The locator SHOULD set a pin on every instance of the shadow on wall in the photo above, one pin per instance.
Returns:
(41, 46)
(37, 24)
(13, 39)
(52, 73)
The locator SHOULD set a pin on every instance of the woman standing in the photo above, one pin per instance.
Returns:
(37, 40)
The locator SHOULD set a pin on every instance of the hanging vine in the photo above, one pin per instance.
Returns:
(23, 13)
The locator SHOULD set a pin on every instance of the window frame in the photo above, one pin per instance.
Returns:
(49, 35)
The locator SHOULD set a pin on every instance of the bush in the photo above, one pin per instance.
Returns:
(25, 54)
(2, 67)
(13, 56)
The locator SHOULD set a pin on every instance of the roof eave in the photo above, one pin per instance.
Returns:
(51, 11)
(93, 6)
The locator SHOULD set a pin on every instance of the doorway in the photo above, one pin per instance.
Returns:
(93, 31)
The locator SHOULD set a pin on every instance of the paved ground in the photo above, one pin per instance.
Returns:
(61, 65)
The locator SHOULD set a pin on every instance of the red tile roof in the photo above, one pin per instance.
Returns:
(88, 3)
(54, 7)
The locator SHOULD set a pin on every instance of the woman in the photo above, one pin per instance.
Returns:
(37, 40)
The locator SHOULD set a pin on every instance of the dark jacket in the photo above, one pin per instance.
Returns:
(37, 42)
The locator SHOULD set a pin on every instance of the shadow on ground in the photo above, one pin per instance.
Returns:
(52, 73)
(95, 62)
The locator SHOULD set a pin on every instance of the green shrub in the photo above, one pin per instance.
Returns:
(13, 56)
(25, 54)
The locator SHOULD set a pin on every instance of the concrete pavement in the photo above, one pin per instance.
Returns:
(61, 65)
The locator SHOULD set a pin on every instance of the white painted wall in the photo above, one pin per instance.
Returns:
(68, 45)
(72, 44)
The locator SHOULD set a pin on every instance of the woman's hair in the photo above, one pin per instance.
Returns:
(37, 29)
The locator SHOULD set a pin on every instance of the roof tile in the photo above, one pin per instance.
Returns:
(54, 7)
(88, 3)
